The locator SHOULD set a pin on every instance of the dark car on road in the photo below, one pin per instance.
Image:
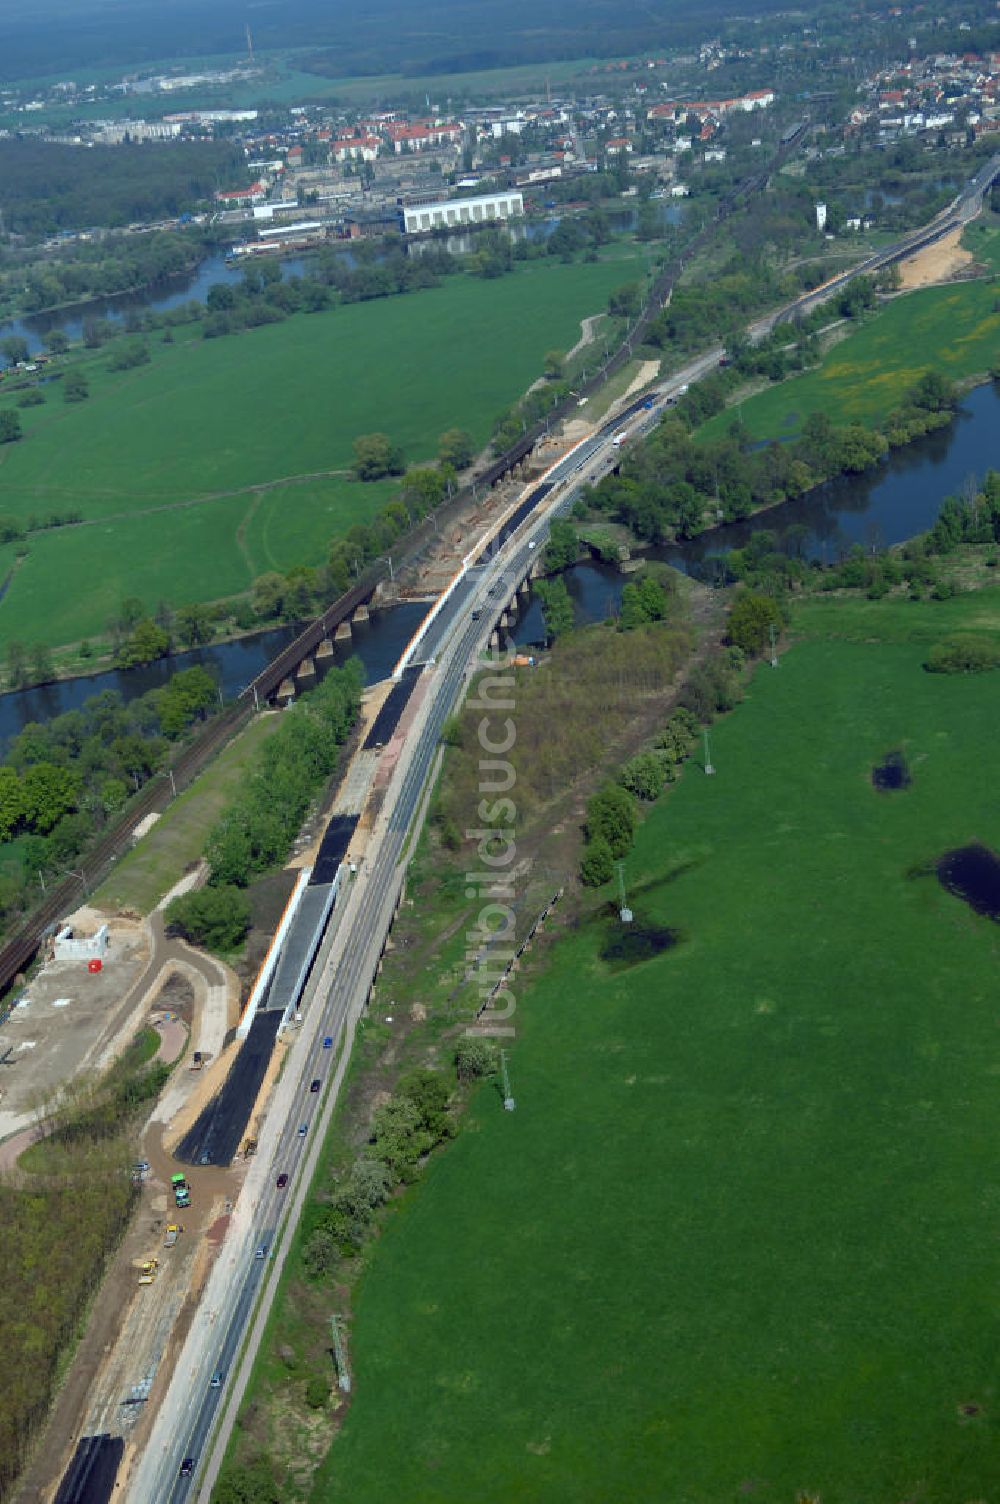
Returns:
(187, 1467)
(315, 1085)
(282, 1181)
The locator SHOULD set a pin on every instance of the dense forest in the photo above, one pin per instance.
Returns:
(444, 36)
(45, 188)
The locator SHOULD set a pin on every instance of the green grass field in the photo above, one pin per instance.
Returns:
(954, 329)
(739, 1238)
(177, 839)
(153, 457)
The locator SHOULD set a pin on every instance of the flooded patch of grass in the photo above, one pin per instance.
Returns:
(972, 873)
(892, 773)
(631, 944)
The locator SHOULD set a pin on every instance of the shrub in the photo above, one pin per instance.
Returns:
(597, 865)
(317, 1392)
(643, 776)
(217, 918)
(963, 653)
(611, 817)
(75, 386)
(475, 1057)
(750, 621)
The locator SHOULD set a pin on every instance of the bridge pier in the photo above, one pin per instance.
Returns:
(306, 669)
(495, 641)
(361, 613)
(343, 632)
(325, 649)
(286, 692)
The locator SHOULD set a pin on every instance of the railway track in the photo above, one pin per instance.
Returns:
(62, 897)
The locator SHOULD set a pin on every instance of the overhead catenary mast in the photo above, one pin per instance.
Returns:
(508, 1100)
(624, 912)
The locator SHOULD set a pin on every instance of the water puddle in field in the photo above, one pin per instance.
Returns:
(892, 773)
(630, 944)
(972, 873)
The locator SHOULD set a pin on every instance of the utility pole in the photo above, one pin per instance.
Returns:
(708, 757)
(508, 1101)
(339, 1356)
(624, 912)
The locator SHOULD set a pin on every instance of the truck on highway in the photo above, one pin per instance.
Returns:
(182, 1195)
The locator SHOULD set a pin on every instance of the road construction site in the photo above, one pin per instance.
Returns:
(149, 1382)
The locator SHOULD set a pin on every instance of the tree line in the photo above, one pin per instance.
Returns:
(256, 831)
(674, 484)
(712, 688)
(62, 782)
(102, 268)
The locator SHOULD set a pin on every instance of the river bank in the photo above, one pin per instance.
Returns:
(900, 498)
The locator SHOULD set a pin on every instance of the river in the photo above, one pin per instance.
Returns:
(890, 504)
(898, 499)
(378, 643)
(190, 287)
(169, 293)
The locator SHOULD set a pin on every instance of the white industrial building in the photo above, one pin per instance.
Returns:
(486, 209)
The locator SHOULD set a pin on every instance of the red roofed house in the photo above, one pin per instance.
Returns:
(235, 198)
(422, 134)
(356, 148)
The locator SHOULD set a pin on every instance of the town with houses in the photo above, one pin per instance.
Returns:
(312, 171)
